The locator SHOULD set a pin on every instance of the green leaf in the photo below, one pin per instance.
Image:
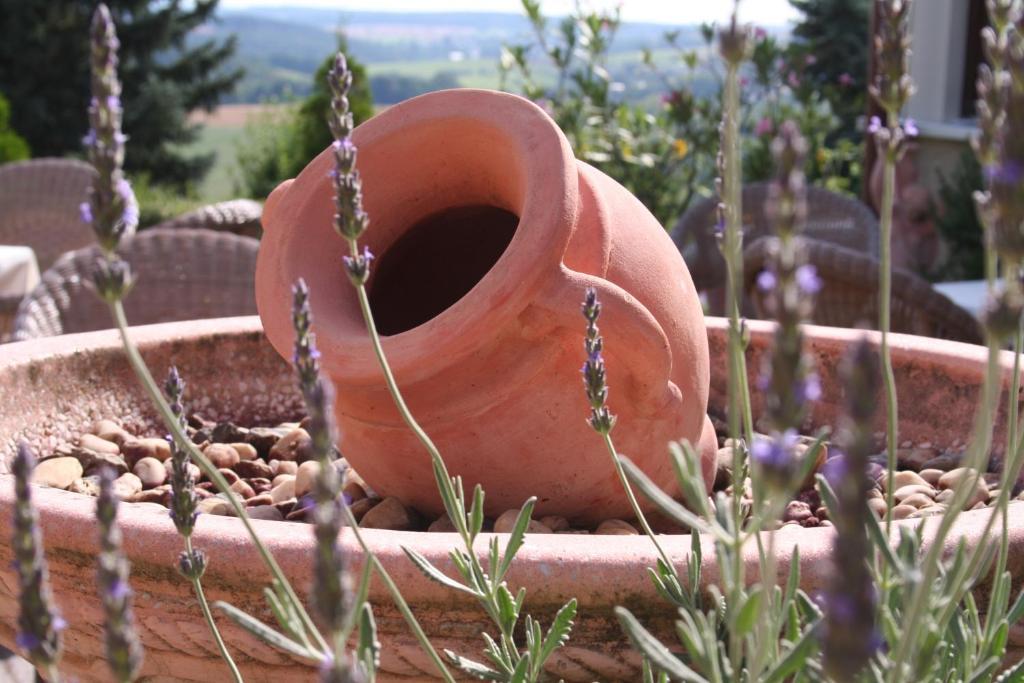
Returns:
(522, 670)
(266, 633)
(796, 658)
(515, 538)
(558, 632)
(285, 619)
(506, 608)
(368, 647)
(746, 617)
(476, 512)
(665, 502)
(997, 646)
(1015, 674)
(984, 671)
(474, 669)
(432, 572)
(1017, 611)
(652, 648)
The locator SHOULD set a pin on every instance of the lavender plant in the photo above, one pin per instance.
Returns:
(191, 561)
(124, 651)
(891, 89)
(39, 623)
(508, 659)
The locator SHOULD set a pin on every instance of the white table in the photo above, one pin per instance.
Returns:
(19, 274)
(967, 294)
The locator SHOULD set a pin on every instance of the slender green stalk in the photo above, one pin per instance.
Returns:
(884, 319)
(208, 616)
(930, 564)
(640, 517)
(171, 422)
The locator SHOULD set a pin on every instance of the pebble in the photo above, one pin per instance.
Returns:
(953, 478)
(260, 499)
(796, 511)
(135, 450)
(108, 430)
(878, 506)
(268, 512)
(284, 467)
(918, 500)
(905, 492)
(945, 496)
(928, 511)
(506, 521)
(931, 476)
(155, 495)
(151, 472)
(262, 439)
(284, 490)
(295, 446)
(214, 506)
(616, 527)
(304, 477)
(57, 472)
(228, 432)
(388, 514)
(194, 473)
(254, 469)
(93, 462)
(442, 524)
(903, 511)
(280, 479)
(244, 490)
(127, 485)
(903, 478)
(221, 455)
(95, 443)
(245, 451)
(360, 507)
(354, 491)
(90, 486)
(556, 523)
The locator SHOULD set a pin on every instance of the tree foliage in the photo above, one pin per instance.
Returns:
(12, 146)
(44, 69)
(277, 145)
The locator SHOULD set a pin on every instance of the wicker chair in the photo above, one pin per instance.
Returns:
(849, 296)
(181, 274)
(830, 217)
(39, 202)
(240, 216)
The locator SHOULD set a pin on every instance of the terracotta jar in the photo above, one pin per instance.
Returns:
(487, 233)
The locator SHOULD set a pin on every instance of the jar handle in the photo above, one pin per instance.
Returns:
(635, 344)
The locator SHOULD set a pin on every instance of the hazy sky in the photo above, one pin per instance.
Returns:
(764, 12)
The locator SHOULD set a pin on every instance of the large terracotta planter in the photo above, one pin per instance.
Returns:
(55, 387)
(488, 232)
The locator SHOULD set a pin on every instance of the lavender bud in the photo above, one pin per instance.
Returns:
(892, 86)
(358, 266)
(594, 380)
(183, 494)
(124, 652)
(39, 624)
(849, 635)
(349, 220)
(733, 42)
(112, 279)
(112, 208)
(192, 564)
(344, 669)
(775, 458)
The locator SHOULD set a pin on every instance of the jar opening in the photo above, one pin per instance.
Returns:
(435, 263)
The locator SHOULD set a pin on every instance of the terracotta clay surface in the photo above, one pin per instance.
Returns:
(56, 387)
(493, 377)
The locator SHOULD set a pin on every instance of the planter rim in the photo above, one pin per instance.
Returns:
(68, 518)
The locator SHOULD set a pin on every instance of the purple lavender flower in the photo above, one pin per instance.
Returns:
(113, 211)
(124, 652)
(358, 266)
(850, 637)
(764, 127)
(39, 624)
(183, 496)
(845, 79)
(349, 220)
(910, 128)
(594, 380)
(874, 125)
(775, 457)
(892, 86)
(807, 279)
(766, 281)
(85, 212)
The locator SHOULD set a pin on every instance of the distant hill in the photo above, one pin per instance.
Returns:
(406, 53)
